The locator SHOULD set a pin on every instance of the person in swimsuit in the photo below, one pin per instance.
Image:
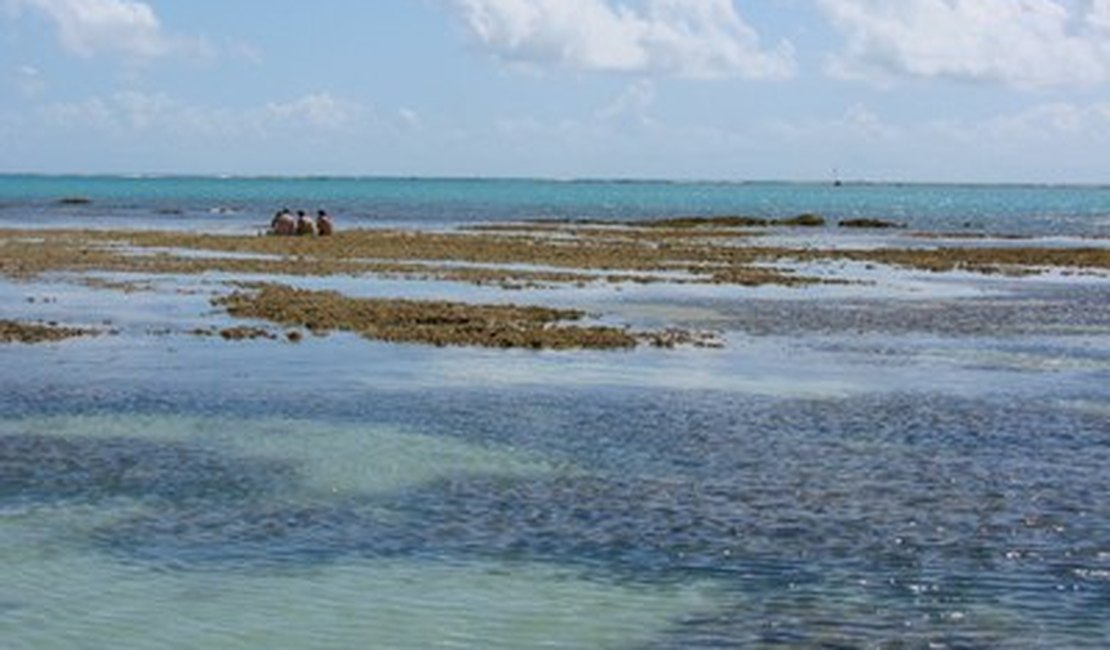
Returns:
(283, 223)
(304, 224)
(324, 225)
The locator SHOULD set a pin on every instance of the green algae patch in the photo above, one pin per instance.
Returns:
(19, 332)
(428, 322)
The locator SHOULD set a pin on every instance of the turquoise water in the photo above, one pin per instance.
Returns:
(244, 203)
(919, 461)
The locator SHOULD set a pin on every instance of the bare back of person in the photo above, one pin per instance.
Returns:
(284, 224)
(324, 225)
(305, 225)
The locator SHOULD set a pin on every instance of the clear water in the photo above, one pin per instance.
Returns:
(920, 463)
(245, 204)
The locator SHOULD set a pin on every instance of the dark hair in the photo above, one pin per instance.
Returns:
(321, 213)
(300, 213)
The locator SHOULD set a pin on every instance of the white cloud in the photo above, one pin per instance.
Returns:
(319, 110)
(130, 112)
(684, 38)
(1098, 15)
(1022, 43)
(1050, 123)
(633, 103)
(1053, 122)
(29, 80)
(246, 51)
(858, 124)
(127, 27)
(94, 113)
(409, 118)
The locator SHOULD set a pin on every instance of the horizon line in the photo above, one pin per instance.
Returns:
(546, 179)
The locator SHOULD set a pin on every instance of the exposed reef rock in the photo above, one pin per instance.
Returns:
(18, 332)
(868, 223)
(732, 221)
(804, 221)
(431, 322)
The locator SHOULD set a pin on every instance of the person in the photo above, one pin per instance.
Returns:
(324, 226)
(304, 224)
(283, 223)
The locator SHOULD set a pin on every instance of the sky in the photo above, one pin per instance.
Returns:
(884, 90)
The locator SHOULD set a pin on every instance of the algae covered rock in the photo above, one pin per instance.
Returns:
(868, 223)
(806, 220)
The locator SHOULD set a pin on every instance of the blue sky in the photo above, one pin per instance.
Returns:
(915, 90)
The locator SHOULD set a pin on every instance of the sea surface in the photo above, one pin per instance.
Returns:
(248, 203)
(915, 461)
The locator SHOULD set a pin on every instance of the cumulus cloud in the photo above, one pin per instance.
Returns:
(127, 27)
(1022, 43)
(684, 38)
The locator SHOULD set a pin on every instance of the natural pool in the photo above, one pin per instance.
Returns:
(920, 464)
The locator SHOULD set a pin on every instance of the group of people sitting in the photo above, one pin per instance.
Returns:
(285, 223)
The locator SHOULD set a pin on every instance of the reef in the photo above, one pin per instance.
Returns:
(688, 250)
(868, 223)
(804, 220)
(432, 322)
(511, 259)
(239, 333)
(20, 332)
(728, 221)
(1009, 260)
(509, 255)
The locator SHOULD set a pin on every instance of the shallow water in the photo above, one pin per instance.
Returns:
(917, 462)
(660, 519)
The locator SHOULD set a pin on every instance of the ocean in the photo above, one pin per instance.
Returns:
(912, 460)
(246, 203)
